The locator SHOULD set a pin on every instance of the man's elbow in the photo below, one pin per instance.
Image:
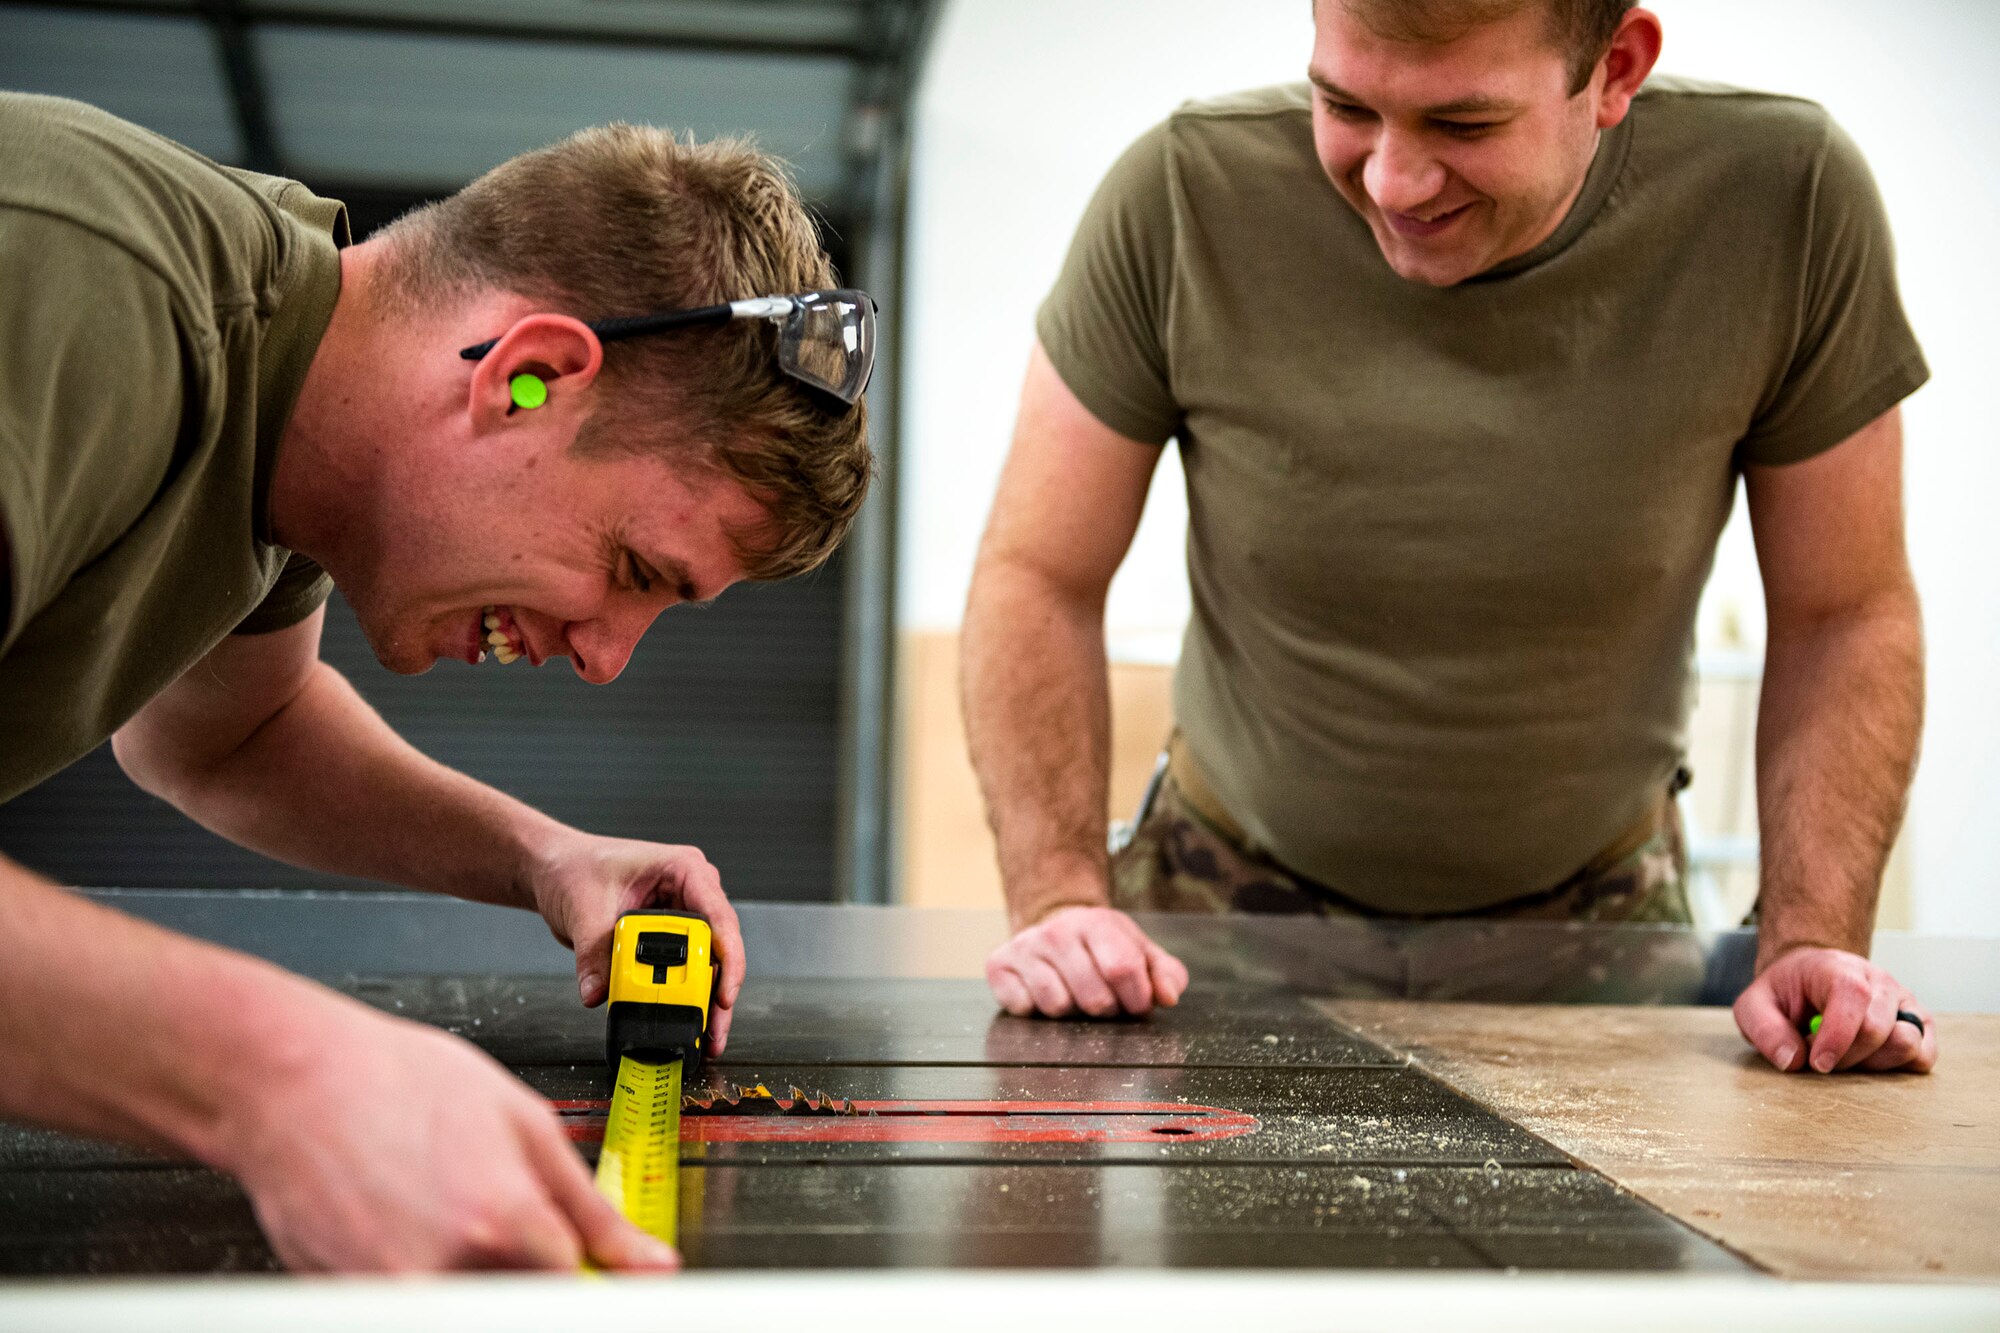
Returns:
(148, 762)
(1008, 579)
(1891, 610)
(159, 765)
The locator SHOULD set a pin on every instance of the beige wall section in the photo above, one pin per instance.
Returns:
(947, 848)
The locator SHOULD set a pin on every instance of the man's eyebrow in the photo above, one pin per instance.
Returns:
(1479, 104)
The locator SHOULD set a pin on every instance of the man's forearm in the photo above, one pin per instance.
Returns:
(1038, 721)
(325, 783)
(1837, 734)
(118, 1029)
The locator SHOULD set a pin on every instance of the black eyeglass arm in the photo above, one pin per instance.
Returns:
(631, 326)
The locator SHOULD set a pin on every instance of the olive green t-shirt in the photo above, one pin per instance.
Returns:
(161, 312)
(1446, 545)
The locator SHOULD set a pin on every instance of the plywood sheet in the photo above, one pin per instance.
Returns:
(1849, 1176)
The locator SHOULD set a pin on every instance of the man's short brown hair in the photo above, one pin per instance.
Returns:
(628, 219)
(1582, 29)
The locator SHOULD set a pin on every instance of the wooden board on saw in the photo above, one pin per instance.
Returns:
(1880, 1176)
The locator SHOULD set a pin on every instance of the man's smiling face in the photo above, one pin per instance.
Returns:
(1459, 155)
(572, 555)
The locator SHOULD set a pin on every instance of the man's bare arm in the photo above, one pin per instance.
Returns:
(1037, 706)
(272, 748)
(261, 726)
(328, 1112)
(1837, 735)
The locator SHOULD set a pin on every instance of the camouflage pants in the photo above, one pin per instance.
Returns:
(1525, 950)
(1178, 861)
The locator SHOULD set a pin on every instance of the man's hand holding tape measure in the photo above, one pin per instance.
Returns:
(395, 1147)
(365, 1142)
(461, 1165)
(584, 888)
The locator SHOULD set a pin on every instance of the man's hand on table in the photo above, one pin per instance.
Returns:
(1090, 960)
(587, 883)
(387, 1146)
(1857, 1001)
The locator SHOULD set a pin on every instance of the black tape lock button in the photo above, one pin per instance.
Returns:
(660, 950)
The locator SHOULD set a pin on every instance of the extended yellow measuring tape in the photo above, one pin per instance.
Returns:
(662, 979)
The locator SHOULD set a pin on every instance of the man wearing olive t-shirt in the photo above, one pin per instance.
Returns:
(211, 411)
(1465, 345)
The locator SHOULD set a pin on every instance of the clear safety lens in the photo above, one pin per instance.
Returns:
(828, 340)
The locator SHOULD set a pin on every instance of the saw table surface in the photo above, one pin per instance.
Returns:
(1261, 1125)
(1243, 1129)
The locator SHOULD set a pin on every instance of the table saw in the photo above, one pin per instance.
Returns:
(1288, 1115)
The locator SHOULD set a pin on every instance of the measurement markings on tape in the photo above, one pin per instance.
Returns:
(945, 1122)
(662, 980)
(639, 1166)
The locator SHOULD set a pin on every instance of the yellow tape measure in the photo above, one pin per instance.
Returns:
(639, 1168)
(662, 980)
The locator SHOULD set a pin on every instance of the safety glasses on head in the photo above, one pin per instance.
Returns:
(825, 339)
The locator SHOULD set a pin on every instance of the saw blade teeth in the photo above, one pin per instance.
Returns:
(719, 1092)
(719, 1096)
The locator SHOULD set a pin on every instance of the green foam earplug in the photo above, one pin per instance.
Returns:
(1812, 1028)
(528, 391)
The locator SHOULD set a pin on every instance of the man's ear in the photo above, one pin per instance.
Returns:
(560, 352)
(1635, 49)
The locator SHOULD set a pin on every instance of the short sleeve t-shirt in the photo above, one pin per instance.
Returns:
(161, 315)
(1446, 545)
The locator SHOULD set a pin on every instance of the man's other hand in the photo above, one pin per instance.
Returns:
(1857, 1002)
(1090, 960)
(387, 1146)
(588, 883)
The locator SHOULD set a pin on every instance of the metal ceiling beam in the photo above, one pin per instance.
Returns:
(428, 26)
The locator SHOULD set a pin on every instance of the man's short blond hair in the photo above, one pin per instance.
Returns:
(1582, 29)
(628, 219)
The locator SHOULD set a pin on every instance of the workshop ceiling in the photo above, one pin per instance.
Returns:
(421, 95)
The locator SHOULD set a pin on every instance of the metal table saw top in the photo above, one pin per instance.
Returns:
(1244, 1129)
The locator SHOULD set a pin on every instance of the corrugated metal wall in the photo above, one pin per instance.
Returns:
(723, 733)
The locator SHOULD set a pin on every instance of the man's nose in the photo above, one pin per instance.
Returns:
(599, 649)
(1400, 174)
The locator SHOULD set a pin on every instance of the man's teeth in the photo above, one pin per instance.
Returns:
(497, 639)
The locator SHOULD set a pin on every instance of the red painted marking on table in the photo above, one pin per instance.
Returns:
(945, 1122)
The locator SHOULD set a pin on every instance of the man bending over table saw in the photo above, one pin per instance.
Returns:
(207, 408)
(1466, 342)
